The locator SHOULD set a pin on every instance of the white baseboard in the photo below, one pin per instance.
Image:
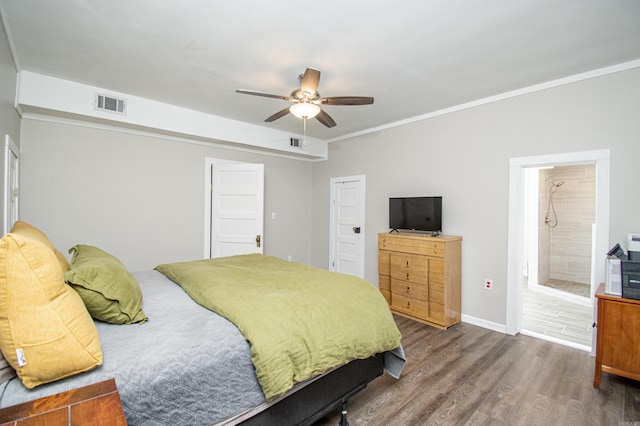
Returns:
(501, 328)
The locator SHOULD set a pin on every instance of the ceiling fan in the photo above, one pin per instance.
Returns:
(306, 100)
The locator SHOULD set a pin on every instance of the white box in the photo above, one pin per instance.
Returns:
(633, 242)
(613, 281)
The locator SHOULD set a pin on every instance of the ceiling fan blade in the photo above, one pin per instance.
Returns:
(277, 115)
(310, 81)
(266, 95)
(346, 100)
(325, 119)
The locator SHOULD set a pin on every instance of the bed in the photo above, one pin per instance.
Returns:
(179, 362)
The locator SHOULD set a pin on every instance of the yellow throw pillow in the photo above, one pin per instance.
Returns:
(46, 333)
(27, 230)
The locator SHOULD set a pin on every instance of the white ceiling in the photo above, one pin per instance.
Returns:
(413, 56)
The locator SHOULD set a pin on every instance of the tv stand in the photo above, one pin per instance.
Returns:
(394, 229)
(420, 277)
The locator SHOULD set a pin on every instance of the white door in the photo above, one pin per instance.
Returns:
(236, 209)
(347, 225)
(11, 183)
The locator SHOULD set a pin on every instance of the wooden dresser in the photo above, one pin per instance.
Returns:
(618, 336)
(97, 404)
(419, 276)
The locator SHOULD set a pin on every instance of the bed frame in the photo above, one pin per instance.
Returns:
(312, 402)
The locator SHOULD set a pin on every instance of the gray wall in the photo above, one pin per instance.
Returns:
(141, 197)
(9, 118)
(464, 156)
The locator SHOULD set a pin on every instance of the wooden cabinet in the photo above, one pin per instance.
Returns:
(419, 276)
(97, 404)
(618, 337)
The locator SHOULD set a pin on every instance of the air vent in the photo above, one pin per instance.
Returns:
(109, 103)
(295, 142)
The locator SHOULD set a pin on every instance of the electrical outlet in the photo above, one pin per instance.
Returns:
(488, 284)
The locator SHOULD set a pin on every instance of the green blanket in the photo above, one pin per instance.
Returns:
(300, 321)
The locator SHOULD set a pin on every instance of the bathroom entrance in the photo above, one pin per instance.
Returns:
(537, 316)
(560, 209)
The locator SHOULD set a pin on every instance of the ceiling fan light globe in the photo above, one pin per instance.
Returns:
(304, 110)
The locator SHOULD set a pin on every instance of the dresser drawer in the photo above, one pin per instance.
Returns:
(409, 289)
(436, 311)
(384, 282)
(436, 293)
(387, 295)
(383, 263)
(436, 270)
(416, 245)
(410, 267)
(408, 305)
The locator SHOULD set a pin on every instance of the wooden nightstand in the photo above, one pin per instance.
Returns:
(618, 338)
(97, 404)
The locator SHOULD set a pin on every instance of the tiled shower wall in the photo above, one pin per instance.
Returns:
(564, 252)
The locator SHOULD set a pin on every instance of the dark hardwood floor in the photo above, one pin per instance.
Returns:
(469, 375)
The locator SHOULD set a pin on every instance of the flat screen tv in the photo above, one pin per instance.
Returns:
(416, 214)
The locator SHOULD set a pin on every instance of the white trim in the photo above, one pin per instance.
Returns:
(507, 95)
(483, 323)
(515, 247)
(333, 181)
(9, 148)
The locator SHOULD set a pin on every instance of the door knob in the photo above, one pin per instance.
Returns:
(356, 229)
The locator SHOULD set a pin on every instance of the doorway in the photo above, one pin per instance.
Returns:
(234, 208)
(518, 270)
(347, 225)
(560, 206)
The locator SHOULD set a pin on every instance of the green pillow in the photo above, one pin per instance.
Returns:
(109, 291)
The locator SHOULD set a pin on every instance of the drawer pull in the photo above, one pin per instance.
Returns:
(435, 251)
(408, 305)
(407, 275)
(407, 263)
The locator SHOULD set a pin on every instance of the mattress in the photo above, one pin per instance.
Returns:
(185, 365)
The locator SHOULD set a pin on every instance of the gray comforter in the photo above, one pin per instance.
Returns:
(186, 365)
